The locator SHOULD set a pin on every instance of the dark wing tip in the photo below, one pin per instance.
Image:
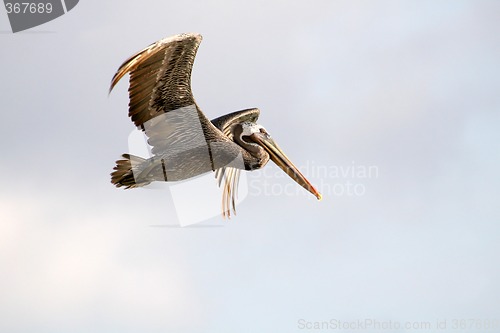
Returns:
(129, 64)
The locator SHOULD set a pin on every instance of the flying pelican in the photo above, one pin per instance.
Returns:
(184, 143)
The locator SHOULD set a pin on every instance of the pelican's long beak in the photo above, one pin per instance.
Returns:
(279, 157)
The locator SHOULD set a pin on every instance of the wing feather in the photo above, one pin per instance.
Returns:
(160, 77)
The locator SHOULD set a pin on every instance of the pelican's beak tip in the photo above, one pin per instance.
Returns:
(319, 196)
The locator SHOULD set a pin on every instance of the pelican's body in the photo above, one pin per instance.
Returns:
(184, 143)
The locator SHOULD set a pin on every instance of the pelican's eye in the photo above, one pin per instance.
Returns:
(263, 131)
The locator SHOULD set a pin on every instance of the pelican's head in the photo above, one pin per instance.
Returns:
(255, 139)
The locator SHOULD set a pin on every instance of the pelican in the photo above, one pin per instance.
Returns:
(183, 142)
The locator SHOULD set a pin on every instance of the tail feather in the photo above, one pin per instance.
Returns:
(123, 174)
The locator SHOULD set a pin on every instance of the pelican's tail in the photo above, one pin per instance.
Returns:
(126, 172)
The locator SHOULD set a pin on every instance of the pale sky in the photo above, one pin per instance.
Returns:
(408, 88)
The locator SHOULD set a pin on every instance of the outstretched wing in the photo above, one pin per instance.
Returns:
(231, 175)
(161, 100)
(160, 77)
